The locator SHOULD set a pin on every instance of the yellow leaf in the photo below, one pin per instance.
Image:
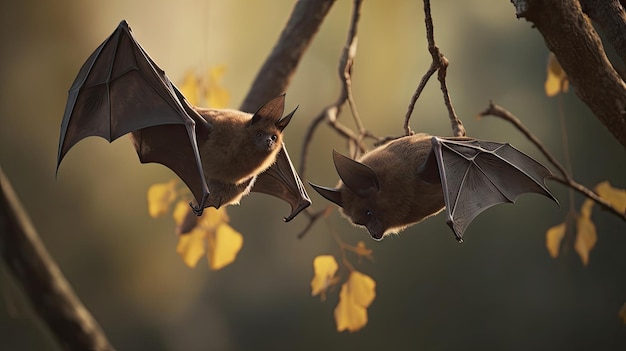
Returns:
(554, 236)
(615, 196)
(216, 95)
(224, 245)
(160, 197)
(586, 236)
(556, 78)
(622, 313)
(324, 267)
(211, 235)
(192, 246)
(190, 88)
(356, 295)
(184, 218)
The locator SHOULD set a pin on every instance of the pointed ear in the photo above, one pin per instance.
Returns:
(270, 111)
(359, 178)
(330, 194)
(429, 170)
(285, 120)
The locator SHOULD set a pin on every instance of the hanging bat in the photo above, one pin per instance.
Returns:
(220, 154)
(412, 178)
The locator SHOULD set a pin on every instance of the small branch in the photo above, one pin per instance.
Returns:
(331, 112)
(49, 293)
(565, 179)
(439, 63)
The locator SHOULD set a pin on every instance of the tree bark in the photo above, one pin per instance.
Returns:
(569, 34)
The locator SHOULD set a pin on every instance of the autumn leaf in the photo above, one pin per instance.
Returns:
(355, 297)
(160, 198)
(216, 96)
(206, 90)
(616, 197)
(224, 246)
(211, 236)
(586, 235)
(554, 237)
(556, 78)
(324, 268)
(190, 88)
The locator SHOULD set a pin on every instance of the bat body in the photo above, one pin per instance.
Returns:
(220, 154)
(412, 178)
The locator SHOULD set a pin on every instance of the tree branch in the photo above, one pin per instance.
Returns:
(566, 179)
(275, 74)
(577, 46)
(610, 16)
(50, 294)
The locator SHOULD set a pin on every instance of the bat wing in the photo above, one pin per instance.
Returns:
(120, 90)
(282, 181)
(477, 174)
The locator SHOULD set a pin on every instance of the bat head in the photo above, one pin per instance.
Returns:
(266, 125)
(358, 195)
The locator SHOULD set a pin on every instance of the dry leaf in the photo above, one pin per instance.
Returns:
(615, 196)
(355, 297)
(554, 237)
(224, 246)
(190, 88)
(160, 198)
(586, 235)
(212, 235)
(324, 268)
(556, 78)
(216, 95)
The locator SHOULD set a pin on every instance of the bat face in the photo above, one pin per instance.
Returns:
(383, 191)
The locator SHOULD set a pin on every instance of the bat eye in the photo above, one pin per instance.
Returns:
(259, 134)
(274, 137)
(368, 213)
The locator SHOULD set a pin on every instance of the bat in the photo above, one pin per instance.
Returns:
(412, 178)
(220, 154)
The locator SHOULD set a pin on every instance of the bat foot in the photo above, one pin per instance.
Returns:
(197, 210)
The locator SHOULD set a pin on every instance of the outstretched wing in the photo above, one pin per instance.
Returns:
(120, 90)
(477, 174)
(282, 181)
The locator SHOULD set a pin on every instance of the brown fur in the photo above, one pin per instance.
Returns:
(235, 152)
(404, 198)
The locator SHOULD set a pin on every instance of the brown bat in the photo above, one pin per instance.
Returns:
(412, 178)
(220, 154)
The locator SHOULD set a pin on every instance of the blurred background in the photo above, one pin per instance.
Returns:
(500, 290)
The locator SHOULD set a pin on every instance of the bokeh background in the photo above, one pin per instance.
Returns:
(500, 290)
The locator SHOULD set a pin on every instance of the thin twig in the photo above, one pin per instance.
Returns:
(331, 112)
(439, 63)
(565, 179)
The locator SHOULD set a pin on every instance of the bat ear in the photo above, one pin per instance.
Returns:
(271, 110)
(330, 194)
(358, 177)
(285, 120)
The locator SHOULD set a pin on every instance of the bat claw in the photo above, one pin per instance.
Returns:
(197, 210)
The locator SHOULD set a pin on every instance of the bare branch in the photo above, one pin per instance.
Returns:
(566, 178)
(50, 294)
